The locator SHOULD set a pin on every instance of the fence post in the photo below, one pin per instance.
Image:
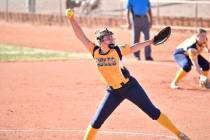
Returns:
(32, 6)
(60, 11)
(158, 12)
(122, 2)
(7, 9)
(196, 15)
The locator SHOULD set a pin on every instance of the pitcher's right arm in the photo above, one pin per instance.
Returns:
(77, 29)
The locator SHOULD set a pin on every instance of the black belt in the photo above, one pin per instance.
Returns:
(141, 16)
(122, 83)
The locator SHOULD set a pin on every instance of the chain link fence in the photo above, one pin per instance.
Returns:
(192, 13)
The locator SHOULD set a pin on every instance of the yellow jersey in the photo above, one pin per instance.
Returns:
(191, 48)
(110, 64)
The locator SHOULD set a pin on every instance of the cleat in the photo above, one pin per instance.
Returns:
(174, 85)
(205, 84)
(182, 136)
(137, 58)
(149, 58)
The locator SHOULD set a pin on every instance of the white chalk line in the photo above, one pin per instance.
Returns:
(83, 131)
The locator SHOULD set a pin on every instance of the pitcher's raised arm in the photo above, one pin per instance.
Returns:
(77, 29)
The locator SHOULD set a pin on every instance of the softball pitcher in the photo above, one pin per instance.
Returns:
(121, 85)
(188, 53)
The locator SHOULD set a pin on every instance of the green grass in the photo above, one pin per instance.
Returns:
(10, 53)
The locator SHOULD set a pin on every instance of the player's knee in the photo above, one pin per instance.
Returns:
(96, 124)
(155, 114)
(187, 67)
(206, 67)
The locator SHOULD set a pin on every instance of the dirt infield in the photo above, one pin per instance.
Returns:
(55, 100)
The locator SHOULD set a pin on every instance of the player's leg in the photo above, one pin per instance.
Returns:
(138, 96)
(179, 75)
(206, 73)
(146, 32)
(204, 64)
(90, 133)
(136, 33)
(107, 106)
(166, 122)
(185, 63)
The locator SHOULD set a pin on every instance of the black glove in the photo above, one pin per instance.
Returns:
(162, 35)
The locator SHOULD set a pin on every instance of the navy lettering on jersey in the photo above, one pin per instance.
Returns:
(110, 61)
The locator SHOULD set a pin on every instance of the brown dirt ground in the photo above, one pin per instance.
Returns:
(63, 95)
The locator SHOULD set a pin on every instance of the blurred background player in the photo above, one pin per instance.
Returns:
(83, 6)
(141, 21)
(120, 84)
(188, 54)
(88, 5)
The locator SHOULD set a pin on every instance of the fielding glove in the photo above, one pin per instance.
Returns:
(162, 35)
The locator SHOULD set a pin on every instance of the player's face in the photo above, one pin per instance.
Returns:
(202, 38)
(108, 39)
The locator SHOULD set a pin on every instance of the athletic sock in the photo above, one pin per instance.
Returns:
(164, 121)
(90, 133)
(206, 73)
(180, 74)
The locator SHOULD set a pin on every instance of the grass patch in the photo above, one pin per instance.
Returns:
(10, 53)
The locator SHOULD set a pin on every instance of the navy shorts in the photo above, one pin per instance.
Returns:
(131, 91)
(185, 63)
